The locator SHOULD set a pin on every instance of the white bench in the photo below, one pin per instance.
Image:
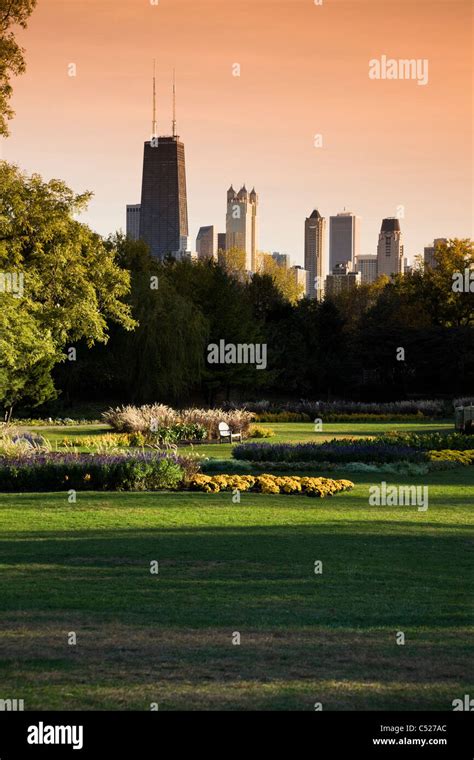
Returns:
(226, 435)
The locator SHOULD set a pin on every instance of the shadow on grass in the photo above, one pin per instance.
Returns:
(255, 575)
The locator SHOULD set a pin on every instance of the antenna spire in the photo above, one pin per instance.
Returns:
(174, 104)
(153, 123)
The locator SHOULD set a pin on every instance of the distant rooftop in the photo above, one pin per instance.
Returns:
(390, 224)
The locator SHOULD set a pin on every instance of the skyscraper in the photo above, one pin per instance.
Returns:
(367, 266)
(282, 259)
(133, 221)
(241, 224)
(164, 209)
(315, 258)
(206, 243)
(390, 249)
(429, 252)
(341, 279)
(344, 238)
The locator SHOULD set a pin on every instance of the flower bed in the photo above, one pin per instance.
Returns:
(122, 471)
(270, 484)
(465, 457)
(339, 417)
(420, 407)
(426, 441)
(357, 450)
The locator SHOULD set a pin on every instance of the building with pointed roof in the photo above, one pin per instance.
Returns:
(242, 224)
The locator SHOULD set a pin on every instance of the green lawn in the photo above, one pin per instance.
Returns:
(246, 568)
(292, 432)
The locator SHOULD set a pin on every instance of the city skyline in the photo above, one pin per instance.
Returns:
(384, 149)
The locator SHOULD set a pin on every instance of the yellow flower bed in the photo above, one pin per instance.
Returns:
(272, 484)
(449, 455)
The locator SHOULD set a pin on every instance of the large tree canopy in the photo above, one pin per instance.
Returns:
(12, 63)
(71, 285)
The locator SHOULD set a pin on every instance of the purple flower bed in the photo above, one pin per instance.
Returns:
(363, 450)
(56, 471)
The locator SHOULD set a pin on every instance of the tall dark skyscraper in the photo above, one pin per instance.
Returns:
(164, 206)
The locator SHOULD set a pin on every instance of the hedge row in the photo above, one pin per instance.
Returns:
(95, 472)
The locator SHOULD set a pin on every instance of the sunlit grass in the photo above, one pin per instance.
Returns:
(246, 568)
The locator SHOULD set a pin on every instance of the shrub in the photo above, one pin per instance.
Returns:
(211, 466)
(13, 444)
(98, 472)
(438, 441)
(270, 484)
(372, 417)
(337, 450)
(101, 443)
(238, 420)
(282, 417)
(180, 432)
(465, 457)
(424, 407)
(255, 431)
(56, 421)
(157, 417)
(141, 419)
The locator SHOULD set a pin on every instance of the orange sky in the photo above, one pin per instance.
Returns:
(304, 71)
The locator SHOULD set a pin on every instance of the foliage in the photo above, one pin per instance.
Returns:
(329, 409)
(181, 431)
(13, 444)
(446, 306)
(282, 417)
(337, 450)
(233, 262)
(282, 278)
(107, 441)
(256, 431)
(343, 349)
(465, 457)
(52, 471)
(142, 419)
(72, 286)
(270, 484)
(12, 62)
(155, 417)
(430, 440)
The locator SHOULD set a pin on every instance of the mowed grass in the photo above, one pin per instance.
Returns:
(245, 568)
(292, 432)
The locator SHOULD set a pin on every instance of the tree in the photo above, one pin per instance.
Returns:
(71, 284)
(223, 300)
(12, 62)
(27, 356)
(283, 279)
(233, 262)
(443, 287)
